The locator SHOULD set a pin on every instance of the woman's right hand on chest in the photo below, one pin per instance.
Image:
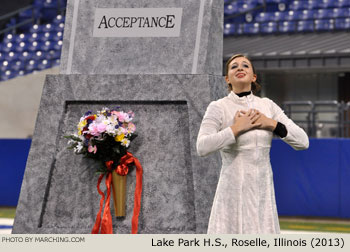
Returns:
(245, 121)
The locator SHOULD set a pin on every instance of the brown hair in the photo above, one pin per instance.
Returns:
(255, 85)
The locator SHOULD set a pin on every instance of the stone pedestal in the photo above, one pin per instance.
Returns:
(59, 188)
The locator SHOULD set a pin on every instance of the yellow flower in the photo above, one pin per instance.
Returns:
(82, 124)
(119, 138)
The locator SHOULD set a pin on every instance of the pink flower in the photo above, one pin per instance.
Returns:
(101, 127)
(131, 127)
(125, 131)
(93, 129)
(92, 149)
(127, 118)
(121, 116)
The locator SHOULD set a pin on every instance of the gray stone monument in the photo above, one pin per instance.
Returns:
(100, 37)
(167, 79)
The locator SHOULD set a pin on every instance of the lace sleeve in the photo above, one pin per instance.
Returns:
(211, 137)
(296, 136)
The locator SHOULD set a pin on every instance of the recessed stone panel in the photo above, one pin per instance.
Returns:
(59, 192)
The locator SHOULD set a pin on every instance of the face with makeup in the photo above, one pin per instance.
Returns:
(240, 74)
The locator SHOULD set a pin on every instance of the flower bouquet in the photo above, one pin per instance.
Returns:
(105, 137)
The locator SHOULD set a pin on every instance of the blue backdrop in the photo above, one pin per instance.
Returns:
(13, 158)
(314, 182)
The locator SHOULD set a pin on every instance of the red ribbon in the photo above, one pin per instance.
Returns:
(122, 169)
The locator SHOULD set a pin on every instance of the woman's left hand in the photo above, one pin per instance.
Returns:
(265, 122)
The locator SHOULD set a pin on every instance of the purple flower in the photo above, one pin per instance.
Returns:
(131, 114)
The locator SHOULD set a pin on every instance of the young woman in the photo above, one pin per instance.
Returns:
(241, 126)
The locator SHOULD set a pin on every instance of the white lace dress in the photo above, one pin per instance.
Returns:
(244, 201)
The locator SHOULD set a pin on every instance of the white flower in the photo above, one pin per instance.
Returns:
(99, 119)
(78, 148)
(127, 118)
(125, 142)
(113, 119)
(110, 129)
(120, 131)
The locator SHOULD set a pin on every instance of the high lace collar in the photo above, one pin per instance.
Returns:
(242, 99)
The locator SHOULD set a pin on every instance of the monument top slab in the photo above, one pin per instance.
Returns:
(148, 37)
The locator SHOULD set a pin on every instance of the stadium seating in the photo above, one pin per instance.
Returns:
(270, 27)
(286, 16)
(340, 12)
(18, 65)
(251, 28)
(287, 27)
(229, 29)
(305, 26)
(292, 15)
(278, 16)
(323, 13)
(263, 17)
(37, 46)
(342, 3)
(306, 14)
(324, 24)
(298, 5)
(327, 4)
(342, 23)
